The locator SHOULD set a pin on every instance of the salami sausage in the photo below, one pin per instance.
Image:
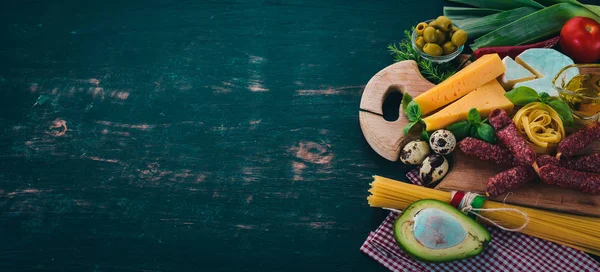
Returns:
(510, 179)
(487, 152)
(499, 119)
(545, 160)
(589, 163)
(509, 136)
(567, 178)
(578, 140)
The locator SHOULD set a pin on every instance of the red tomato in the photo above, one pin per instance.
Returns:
(580, 39)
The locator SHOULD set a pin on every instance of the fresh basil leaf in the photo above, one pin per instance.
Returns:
(413, 111)
(473, 131)
(563, 111)
(406, 98)
(487, 133)
(522, 96)
(409, 126)
(461, 129)
(545, 98)
(425, 135)
(473, 116)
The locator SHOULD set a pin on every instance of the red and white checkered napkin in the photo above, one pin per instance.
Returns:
(508, 251)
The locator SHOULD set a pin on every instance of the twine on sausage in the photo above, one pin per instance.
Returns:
(470, 203)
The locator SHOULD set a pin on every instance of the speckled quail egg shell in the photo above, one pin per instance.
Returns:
(442, 142)
(433, 169)
(414, 152)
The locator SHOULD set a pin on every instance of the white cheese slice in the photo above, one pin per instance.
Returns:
(544, 63)
(514, 74)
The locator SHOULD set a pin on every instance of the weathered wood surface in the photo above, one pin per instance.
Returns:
(190, 135)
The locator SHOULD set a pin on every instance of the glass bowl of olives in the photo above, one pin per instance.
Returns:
(438, 40)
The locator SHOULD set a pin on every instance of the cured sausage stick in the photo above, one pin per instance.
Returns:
(509, 179)
(578, 140)
(567, 178)
(509, 136)
(589, 163)
(487, 152)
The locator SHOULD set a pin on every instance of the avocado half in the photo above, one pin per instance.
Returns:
(433, 231)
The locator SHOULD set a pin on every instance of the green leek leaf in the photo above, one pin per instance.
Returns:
(460, 13)
(500, 4)
(592, 8)
(535, 26)
(479, 26)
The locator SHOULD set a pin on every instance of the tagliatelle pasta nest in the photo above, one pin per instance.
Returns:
(541, 125)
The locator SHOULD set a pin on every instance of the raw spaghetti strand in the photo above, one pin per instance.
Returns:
(542, 125)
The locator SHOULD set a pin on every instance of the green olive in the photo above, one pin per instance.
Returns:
(459, 37)
(451, 32)
(429, 34)
(441, 36)
(420, 42)
(432, 23)
(448, 48)
(420, 27)
(449, 36)
(432, 49)
(443, 23)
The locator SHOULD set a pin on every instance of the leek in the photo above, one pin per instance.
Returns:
(535, 26)
(460, 13)
(592, 8)
(476, 27)
(501, 4)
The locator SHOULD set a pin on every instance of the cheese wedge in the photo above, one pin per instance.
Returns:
(545, 63)
(514, 74)
(486, 98)
(479, 72)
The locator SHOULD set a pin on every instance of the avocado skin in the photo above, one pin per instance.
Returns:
(427, 203)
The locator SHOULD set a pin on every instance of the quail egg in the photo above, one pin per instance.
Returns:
(414, 152)
(433, 169)
(442, 142)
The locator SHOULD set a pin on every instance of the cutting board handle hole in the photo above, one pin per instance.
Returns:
(391, 103)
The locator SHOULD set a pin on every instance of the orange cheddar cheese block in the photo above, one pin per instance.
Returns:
(486, 98)
(479, 72)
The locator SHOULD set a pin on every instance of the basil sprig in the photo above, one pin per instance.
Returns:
(522, 96)
(473, 127)
(414, 115)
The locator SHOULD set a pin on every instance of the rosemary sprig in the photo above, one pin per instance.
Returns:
(433, 72)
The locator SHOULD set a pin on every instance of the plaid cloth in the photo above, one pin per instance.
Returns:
(508, 251)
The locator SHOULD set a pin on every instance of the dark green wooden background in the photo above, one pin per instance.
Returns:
(202, 135)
